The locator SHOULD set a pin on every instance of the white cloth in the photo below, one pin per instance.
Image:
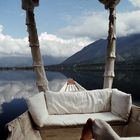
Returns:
(78, 102)
(65, 109)
(121, 103)
(80, 119)
(37, 108)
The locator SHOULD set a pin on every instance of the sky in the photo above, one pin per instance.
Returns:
(64, 26)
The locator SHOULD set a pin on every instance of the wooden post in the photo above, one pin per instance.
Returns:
(111, 50)
(42, 82)
(41, 79)
(109, 73)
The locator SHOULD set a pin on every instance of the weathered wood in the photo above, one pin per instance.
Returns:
(22, 129)
(111, 50)
(42, 81)
(61, 134)
(111, 47)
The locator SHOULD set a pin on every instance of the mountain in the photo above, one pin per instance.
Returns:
(23, 61)
(128, 50)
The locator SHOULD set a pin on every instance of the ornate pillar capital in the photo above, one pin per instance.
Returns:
(29, 5)
(110, 3)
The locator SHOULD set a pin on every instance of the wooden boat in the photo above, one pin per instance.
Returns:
(24, 126)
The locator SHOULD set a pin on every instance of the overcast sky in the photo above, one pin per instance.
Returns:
(64, 26)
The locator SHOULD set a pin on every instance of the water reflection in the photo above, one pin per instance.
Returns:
(56, 80)
(15, 86)
(89, 80)
(129, 81)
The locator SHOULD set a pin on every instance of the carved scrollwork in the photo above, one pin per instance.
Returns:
(109, 3)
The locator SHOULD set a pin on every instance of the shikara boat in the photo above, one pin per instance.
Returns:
(62, 115)
(70, 109)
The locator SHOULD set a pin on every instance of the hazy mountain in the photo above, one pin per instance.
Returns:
(128, 50)
(12, 61)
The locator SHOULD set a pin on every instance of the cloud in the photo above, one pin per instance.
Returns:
(72, 38)
(95, 25)
(57, 84)
(56, 46)
(25, 89)
(13, 46)
(51, 45)
(16, 90)
(135, 3)
(1, 28)
(128, 23)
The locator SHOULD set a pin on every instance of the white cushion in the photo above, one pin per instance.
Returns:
(121, 103)
(78, 102)
(37, 108)
(103, 97)
(80, 119)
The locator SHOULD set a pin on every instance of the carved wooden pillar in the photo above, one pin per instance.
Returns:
(41, 79)
(111, 47)
(111, 50)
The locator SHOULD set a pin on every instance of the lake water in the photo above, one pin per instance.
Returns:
(15, 86)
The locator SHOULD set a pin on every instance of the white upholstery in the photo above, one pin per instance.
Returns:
(103, 97)
(121, 103)
(74, 108)
(37, 108)
(80, 119)
(78, 102)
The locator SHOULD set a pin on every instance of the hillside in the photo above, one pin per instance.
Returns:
(128, 50)
(26, 61)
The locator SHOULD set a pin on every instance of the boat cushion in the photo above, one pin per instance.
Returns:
(78, 102)
(37, 108)
(121, 103)
(74, 108)
(80, 119)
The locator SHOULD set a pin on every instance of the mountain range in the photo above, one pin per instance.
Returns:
(127, 50)
(25, 61)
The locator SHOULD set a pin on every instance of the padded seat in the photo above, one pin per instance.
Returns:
(56, 109)
(80, 119)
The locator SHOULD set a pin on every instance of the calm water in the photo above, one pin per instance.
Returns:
(15, 86)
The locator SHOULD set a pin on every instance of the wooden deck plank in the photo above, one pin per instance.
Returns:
(61, 134)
